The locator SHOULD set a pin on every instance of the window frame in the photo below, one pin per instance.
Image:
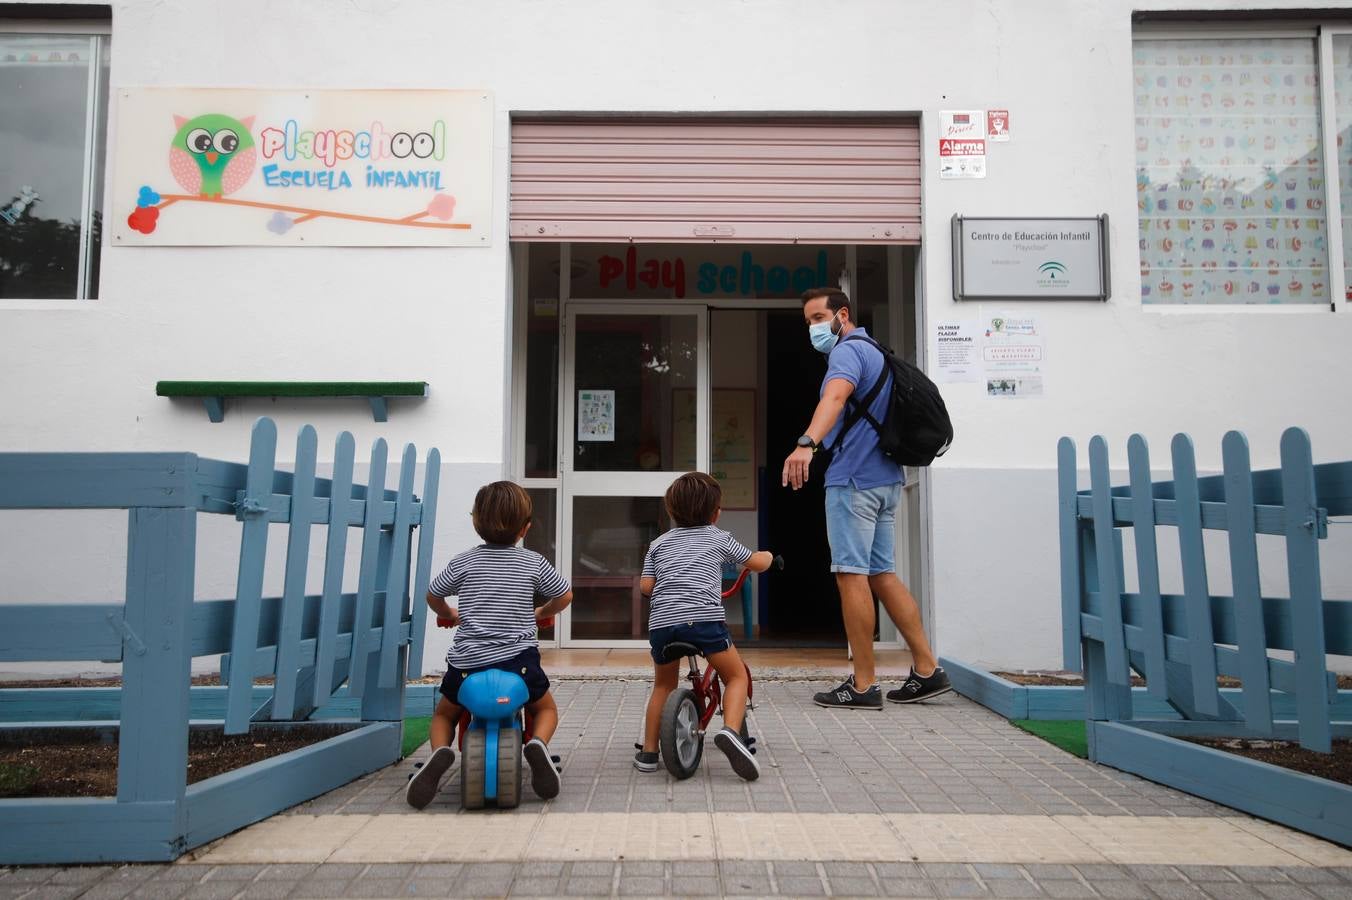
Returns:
(1322, 33)
(99, 32)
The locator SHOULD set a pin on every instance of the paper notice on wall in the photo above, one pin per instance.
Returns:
(962, 143)
(997, 125)
(1013, 356)
(957, 352)
(596, 415)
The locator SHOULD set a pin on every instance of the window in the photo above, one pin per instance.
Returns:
(1342, 94)
(1230, 171)
(53, 106)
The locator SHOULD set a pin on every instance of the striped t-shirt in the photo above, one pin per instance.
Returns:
(496, 587)
(687, 564)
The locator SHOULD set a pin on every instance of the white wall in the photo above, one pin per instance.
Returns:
(81, 376)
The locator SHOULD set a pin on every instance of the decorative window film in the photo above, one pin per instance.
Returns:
(53, 102)
(1342, 93)
(1230, 171)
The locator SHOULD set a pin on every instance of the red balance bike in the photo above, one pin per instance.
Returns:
(687, 712)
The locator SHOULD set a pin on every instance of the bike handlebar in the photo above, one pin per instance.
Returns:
(777, 563)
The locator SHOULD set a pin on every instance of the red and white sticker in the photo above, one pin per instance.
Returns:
(997, 124)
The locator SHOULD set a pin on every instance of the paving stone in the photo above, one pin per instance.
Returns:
(1096, 872)
(1226, 890)
(81, 874)
(1339, 891)
(51, 891)
(744, 885)
(1008, 887)
(587, 886)
(1068, 889)
(687, 868)
(801, 886)
(31, 874)
(1176, 890)
(958, 887)
(947, 870)
(1312, 875)
(853, 886)
(282, 871)
(388, 870)
(268, 890)
(1051, 871)
(987, 871)
(646, 867)
(1288, 891)
(536, 887)
(321, 888)
(218, 889)
(381, 887)
(698, 886)
(338, 870)
(1119, 890)
(641, 885)
(234, 872)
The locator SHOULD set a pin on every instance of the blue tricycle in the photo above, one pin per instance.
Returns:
(492, 734)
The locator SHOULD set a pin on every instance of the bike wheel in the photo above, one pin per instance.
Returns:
(509, 768)
(473, 762)
(680, 738)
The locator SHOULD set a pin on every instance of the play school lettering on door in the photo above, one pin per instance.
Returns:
(747, 278)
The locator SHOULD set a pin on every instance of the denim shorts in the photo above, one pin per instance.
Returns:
(526, 664)
(710, 637)
(861, 526)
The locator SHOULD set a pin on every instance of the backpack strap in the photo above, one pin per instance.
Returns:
(859, 409)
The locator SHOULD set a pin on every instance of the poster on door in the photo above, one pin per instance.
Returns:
(734, 441)
(596, 415)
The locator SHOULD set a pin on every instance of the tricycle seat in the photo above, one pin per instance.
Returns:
(675, 650)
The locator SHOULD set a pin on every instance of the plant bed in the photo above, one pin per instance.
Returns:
(1335, 766)
(82, 762)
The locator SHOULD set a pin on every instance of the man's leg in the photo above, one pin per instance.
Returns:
(851, 518)
(856, 607)
(905, 612)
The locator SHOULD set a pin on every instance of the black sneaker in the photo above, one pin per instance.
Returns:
(544, 769)
(422, 787)
(644, 760)
(844, 696)
(919, 687)
(741, 755)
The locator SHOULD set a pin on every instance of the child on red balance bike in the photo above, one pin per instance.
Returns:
(682, 573)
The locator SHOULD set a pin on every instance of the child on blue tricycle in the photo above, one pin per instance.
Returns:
(497, 584)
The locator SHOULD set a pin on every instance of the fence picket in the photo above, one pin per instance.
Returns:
(366, 583)
(1197, 598)
(1072, 582)
(1147, 564)
(1307, 612)
(1248, 595)
(293, 585)
(423, 574)
(335, 559)
(397, 584)
(1109, 563)
(252, 507)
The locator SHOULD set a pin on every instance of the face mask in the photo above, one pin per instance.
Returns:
(823, 335)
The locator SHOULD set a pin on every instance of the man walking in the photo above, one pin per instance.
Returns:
(863, 488)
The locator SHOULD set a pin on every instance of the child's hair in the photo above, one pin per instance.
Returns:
(501, 510)
(693, 499)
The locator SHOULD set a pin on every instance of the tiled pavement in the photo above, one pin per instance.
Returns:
(939, 800)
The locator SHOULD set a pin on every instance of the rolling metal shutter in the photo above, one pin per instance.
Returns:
(694, 181)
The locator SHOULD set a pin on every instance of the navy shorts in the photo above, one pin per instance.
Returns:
(709, 637)
(526, 664)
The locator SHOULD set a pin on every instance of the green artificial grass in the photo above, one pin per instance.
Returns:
(1069, 736)
(415, 732)
(16, 780)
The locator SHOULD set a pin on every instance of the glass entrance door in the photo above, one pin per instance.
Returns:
(636, 400)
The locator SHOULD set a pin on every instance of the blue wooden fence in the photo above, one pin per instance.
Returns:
(311, 643)
(1180, 643)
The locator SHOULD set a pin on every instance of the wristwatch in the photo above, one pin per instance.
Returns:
(807, 441)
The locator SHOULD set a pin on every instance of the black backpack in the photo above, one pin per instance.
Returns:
(915, 429)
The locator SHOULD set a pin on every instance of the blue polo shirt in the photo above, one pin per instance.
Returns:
(859, 462)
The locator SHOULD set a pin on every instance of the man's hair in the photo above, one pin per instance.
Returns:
(501, 510)
(693, 499)
(836, 299)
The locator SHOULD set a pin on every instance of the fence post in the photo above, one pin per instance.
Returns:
(1307, 598)
(383, 704)
(157, 658)
(1072, 580)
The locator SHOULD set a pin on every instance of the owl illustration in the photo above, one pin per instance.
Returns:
(212, 154)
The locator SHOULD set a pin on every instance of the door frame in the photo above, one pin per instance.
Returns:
(608, 483)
